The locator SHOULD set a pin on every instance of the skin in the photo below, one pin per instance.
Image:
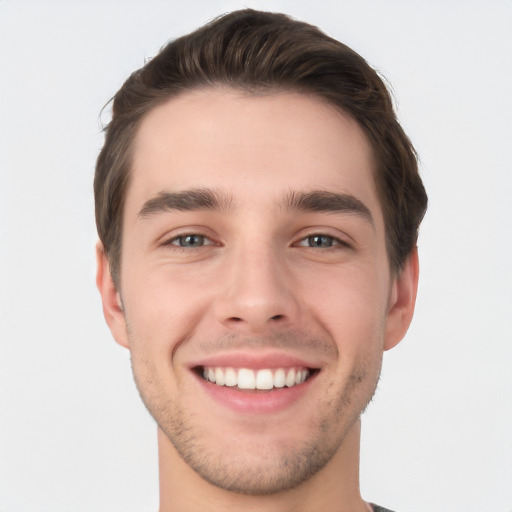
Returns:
(260, 284)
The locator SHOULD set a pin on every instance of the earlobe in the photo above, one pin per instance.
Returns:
(110, 297)
(402, 301)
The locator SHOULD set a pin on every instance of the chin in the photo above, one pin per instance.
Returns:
(253, 467)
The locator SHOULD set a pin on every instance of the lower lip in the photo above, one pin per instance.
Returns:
(253, 402)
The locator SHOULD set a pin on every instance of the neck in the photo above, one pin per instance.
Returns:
(335, 488)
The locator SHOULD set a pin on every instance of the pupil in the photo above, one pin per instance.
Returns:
(192, 240)
(320, 241)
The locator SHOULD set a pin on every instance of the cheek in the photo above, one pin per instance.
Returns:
(351, 306)
(163, 309)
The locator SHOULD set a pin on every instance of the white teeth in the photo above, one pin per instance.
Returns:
(246, 379)
(263, 379)
(290, 378)
(230, 377)
(219, 377)
(279, 378)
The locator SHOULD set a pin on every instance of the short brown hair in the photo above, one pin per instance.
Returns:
(260, 51)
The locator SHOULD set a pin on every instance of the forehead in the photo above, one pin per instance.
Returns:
(252, 145)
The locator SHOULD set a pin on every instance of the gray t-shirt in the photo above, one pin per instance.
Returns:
(376, 508)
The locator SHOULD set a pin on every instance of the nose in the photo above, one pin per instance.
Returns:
(257, 292)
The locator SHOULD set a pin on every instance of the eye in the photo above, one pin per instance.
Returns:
(189, 241)
(321, 242)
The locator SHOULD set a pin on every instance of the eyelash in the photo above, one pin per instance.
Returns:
(335, 243)
(180, 238)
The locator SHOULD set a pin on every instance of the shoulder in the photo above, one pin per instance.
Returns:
(376, 508)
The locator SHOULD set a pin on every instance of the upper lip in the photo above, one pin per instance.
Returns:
(254, 360)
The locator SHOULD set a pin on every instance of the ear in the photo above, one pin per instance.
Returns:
(402, 301)
(110, 297)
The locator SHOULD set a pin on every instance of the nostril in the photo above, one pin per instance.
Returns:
(277, 317)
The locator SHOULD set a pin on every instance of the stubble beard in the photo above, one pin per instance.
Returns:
(277, 472)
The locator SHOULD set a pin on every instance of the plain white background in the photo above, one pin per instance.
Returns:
(74, 435)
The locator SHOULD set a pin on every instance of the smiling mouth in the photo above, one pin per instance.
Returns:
(247, 379)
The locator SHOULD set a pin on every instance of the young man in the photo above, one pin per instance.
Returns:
(258, 207)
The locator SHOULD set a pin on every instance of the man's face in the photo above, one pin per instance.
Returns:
(254, 256)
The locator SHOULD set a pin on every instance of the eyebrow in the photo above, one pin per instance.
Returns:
(216, 200)
(187, 200)
(330, 202)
